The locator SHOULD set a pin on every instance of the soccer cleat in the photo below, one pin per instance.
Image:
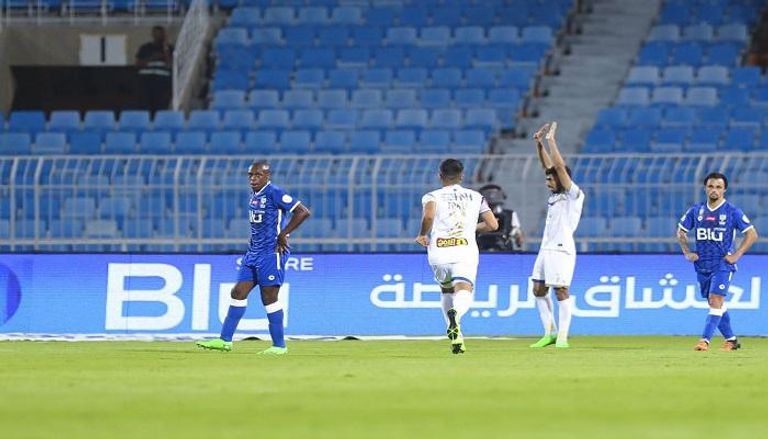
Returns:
(544, 341)
(215, 345)
(702, 345)
(730, 345)
(274, 350)
(454, 333)
(562, 344)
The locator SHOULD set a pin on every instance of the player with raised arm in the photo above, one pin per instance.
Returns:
(715, 223)
(557, 255)
(264, 262)
(448, 227)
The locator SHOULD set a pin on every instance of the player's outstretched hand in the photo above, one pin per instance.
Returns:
(552, 130)
(422, 240)
(541, 132)
(282, 244)
(692, 257)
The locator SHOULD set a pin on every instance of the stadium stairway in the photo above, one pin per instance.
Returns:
(592, 66)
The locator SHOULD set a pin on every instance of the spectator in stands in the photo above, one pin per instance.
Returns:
(509, 235)
(154, 61)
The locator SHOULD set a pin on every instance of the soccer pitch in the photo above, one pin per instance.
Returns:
(618, 387)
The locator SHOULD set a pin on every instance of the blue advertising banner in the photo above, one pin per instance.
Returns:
(357, 294)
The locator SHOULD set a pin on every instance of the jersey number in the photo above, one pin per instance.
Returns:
(255, 217)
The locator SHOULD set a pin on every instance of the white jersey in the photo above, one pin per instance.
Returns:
(563, 216)
(457, 210)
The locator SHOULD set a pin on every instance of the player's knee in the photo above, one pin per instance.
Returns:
(539, 289)
(239, 293)
(562, 293)
(462, 286)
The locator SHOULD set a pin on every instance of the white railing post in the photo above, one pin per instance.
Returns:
(189, 51)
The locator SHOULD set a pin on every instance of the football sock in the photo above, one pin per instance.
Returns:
(725, 325)
(564, 313)
(462, 300)
(275, 317)
(446, 300)
(235, 313)
(544, 304)
(712, 322)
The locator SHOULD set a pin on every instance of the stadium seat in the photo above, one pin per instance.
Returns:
(414, 119)
(678, 116)
(309, 78)
(703, 140)
(171, 121)
(399, 141)
(64, 121)
(669, 140)
(402, 35)
(266, 99)
(295, 142)
(366, 98)
(738, 139)
(85, 143)
(227, 100)
(667, 32)
(15, 143)
(600, 141)
(377, 119)
(341, 119)
(136, 121)
(99, 121)
(698, 32)
(333, 142)
(446, 119)
(592, 226)
(30, 122)
(226, 142)
(400, 98)
(260, 142)
(241, 120)
(274, 119)
(190, 142)
(307, 120)
(612, 117)
(364, 142)
(503, 35)
(343, 79)
(705, 96)
(667, 96)
(49, 143)
(634, 96)
(434, 141)
(353, 57)
(296, 99)
(678, 75)
(712, 75)
(643, 75)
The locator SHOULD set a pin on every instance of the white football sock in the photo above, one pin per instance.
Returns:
(446, 300)
(462, 300)
(564, 312)
(544, 304)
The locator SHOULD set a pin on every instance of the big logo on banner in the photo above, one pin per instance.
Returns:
(381, 294)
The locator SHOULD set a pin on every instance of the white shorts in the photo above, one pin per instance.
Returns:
(554, 268)
(448, 275)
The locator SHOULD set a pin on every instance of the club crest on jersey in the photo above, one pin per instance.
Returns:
(451, 242)
(723, 218)
(263, 201)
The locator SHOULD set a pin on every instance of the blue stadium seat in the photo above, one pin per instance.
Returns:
(414, 119)
(656, 53)
(703, 140)
(365, 142)
(474, 35)
(226, 142)
(230, 80)
(166, 120)
(295, 142)
(504, 98)
(241, 120)
(309, 78)
(15, 143)
(69, 228)
(447, 78)
(99, 121)
(435, 98)
(634, 96)
(636, 140)
(294, 99)
(367, 36)
(274, 119)
(612, 117)
(464, 140)
(356, 227)
(260, 142)
(366, 98)
(307, 120)
(666, 32)
(85, 143)
(678, 117)
(669, 140)
(279, 15)
(389, 227)
(458, 56)
(333, 142)
(79, 207)
(739, 139)
(343, 79)
(158, 142)
(204, 120)
(591, 226)
(600, 140)
(733, 32)
(378, 77)
(481, 77)
(660, 226)
(376, 119)
(265, 36)
(434, 36)
(228, 100)
(537, 34)
(400, 98)
(446, 119)
(231, 36)
(64, 121)
(399, 141)
(644, 117)
(469, 97)
(114, 207)
(712, 116)
(643, 75)
(447, 15)
(318, 58)
(698, 32)
(267, 99)
(295, 37)
(503, 35)
(30, 122)
(678, 75)
(746, 117)
(712, 75)
(734, 96)
(354, 57)
(333, 36)
(313, 15)
(402, 35)
(190, 142)
(332, 99)
(667, 96)
(411, 77)
(341, 119)
(724, 54)
(415, 16)
(120, 143)
(626, 226)
(434, 141)
(49, 143)
(136, 121)
(273, 79)
(704, 96)
(346, 15)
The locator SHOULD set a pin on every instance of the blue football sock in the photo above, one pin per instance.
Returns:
(725, 326)
(235, 313)
(713, 319)
(276, 325)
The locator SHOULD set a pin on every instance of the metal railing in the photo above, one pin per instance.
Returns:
(20, 12)
(189, 53)
(359, 203)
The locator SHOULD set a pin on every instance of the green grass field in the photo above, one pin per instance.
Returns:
(617, 387)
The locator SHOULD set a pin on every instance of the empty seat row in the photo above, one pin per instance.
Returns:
(686, 75)
(662, 53)
(732, 96)
(676, 140)
(265, 142)
(718, 116)
(712, 12)
(699, 32)
(371, 36)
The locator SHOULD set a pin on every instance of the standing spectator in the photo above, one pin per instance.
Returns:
(509, 235)
(154, 61)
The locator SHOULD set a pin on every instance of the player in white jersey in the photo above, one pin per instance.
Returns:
(448, 227)
(557, 255)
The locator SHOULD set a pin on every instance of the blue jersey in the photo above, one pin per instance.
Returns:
(267, 210)
(715, 230)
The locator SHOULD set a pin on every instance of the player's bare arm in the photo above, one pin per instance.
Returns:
(489, 222)
(682, 239)
(750, 237)
(427, 219)
(538, 136)
(557, 159)
(300, 213)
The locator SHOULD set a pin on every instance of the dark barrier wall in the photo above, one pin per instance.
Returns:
(353, 294)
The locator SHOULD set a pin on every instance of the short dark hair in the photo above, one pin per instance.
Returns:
(451, 168)
(552, 171)
(716, 175)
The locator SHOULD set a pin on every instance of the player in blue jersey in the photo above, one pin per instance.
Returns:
(715, 222)
(264, 262)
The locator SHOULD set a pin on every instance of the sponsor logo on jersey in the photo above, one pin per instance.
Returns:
(451, 242)
(287, 199)
(711, 218)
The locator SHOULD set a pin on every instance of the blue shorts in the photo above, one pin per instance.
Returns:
(716, 282)
(264, 270)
